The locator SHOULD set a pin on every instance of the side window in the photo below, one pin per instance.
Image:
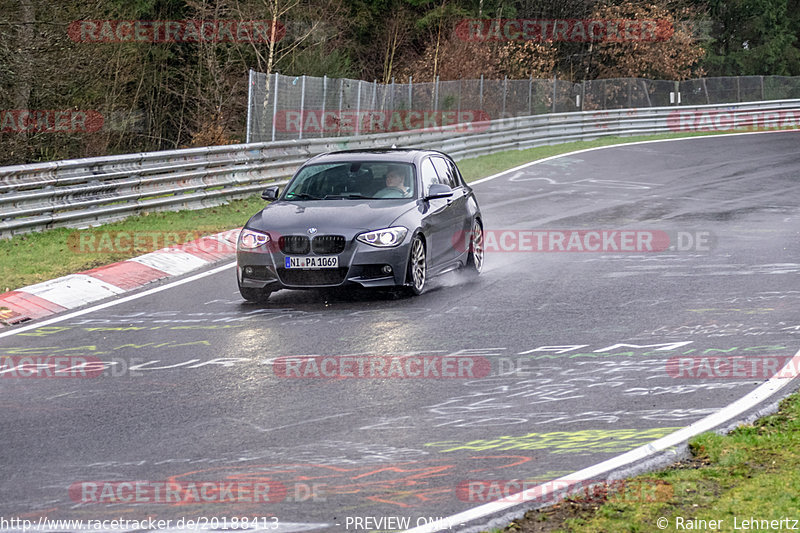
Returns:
(459, 179)
(445, 172)
(428, 174)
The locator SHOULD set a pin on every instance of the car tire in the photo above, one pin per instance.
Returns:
(476, 254)
(417, 272)
(251, 294)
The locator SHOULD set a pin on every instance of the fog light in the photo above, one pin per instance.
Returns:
(386, 269)
(248, 271)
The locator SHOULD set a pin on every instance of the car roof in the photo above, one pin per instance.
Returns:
(410, 155)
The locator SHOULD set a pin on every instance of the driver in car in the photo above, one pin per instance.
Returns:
(395, 187)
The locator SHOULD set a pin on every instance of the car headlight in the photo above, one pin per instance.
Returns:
(250, 239)
(384, 238)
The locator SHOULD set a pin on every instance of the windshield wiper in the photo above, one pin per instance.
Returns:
(301, 196)
(346, 197)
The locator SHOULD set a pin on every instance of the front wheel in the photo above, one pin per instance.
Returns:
(251, 294)
(475, 257)
(417, 267)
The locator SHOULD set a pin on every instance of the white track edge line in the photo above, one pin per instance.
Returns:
(746, 402)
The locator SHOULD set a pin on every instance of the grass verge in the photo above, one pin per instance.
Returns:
(751, 473)
(35, 257)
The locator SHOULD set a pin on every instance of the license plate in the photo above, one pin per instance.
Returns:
(312, 262)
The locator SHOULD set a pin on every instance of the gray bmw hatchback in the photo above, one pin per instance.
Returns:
(374, 218)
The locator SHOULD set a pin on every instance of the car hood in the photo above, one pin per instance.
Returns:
(345, 217)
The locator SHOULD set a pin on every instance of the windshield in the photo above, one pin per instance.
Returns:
(352, 179)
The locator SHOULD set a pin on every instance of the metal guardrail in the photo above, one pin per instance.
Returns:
(85, 192)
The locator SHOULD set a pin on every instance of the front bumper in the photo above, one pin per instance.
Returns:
(359, 264)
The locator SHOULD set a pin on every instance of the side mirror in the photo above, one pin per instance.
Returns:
(270, 193)
(439, 190)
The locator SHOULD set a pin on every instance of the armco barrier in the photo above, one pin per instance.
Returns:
(84, 192)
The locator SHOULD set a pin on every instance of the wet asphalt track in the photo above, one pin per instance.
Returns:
(205, 404)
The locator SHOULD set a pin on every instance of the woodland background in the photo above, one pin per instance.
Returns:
(172, 95)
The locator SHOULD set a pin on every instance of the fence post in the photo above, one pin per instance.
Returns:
(324, 97)
(274, 105)
(339, 116)
(762, 88)
(391, 99)
(530, 95)
(249, 105)
(410, 92)
(505, 95)
(302, 104)
(458, 108)
(583, 93)
(738, 91)
(554, 94)
(630, 93)
(358, 107)
(374, 94)
(436, 94)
